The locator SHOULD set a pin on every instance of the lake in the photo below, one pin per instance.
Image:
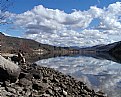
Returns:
(99, 74)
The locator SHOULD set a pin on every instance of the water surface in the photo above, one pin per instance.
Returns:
(99, 74)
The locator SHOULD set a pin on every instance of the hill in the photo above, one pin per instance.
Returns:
(110, 51)
(32, 48)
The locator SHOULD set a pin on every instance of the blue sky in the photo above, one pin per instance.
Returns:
(67, 19)
(20, 6)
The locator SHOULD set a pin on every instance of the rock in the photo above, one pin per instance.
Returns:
(55, 80)
(37, 81)
(57, 88)
(37, 76)
(25, 82)
(100, 92)
(44, 95)
(63, 86)
(11, 90)
(8, 70)
(28, 76)
(45, 80)
(22, 75)
(64, 93)
(7, 83)
(49, 91)
(28, 93)
(40, 86)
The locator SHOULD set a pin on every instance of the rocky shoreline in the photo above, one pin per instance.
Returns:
(37, 81)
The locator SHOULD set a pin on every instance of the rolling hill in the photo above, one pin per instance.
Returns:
(32, 48)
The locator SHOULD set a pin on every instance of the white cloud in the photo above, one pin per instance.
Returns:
(56, 27)
(4, 17)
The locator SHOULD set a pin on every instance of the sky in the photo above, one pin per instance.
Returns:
(65, 22)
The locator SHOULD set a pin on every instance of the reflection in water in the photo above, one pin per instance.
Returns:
(99, 74)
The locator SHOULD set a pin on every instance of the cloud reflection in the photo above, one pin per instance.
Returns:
(99, 74)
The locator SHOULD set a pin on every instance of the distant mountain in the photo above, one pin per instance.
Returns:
(92, 47)
(110, 51)
(113, 47)
(75, 47)
(110, 47)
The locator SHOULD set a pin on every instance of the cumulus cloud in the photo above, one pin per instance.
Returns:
(55, 27)
(5, 17)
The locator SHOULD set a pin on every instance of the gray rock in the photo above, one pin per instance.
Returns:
(57, 88)
(32, 83)
(49, 91)
(40, 86)
(64, 93)
(8, 70)
(25, 82)
(11, 90)
(37, 76)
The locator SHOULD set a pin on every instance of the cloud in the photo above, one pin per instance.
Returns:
(4, 17)
(55, 27)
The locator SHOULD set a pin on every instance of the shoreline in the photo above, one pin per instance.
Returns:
(38, 81)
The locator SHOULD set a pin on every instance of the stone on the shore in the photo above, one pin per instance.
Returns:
(37, 81)
(8, 70)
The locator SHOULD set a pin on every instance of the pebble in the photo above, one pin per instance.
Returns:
(64, 93)
(11, 90)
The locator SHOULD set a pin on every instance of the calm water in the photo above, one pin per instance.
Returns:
(98, 74)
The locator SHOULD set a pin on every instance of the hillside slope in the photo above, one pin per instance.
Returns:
(32, 48)
(110, 51)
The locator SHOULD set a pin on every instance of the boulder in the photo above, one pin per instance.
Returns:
(8, 70)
